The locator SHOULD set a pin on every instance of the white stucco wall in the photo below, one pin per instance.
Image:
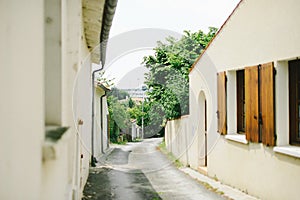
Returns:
(97, 123)
(258, 32)
(39, 89)
(21, 107)
(83, 112)
(56, 171)
(180, 139)
(105, 116)
(100, 122)
(65, 173)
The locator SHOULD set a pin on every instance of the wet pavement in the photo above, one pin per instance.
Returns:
(138, 171)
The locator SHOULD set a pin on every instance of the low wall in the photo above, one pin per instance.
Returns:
(182, 142)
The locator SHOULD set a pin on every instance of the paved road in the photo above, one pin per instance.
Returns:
(138, 171)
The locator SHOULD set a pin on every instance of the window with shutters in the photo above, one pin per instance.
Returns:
(294, 101)
(240, 90)
(255, 103)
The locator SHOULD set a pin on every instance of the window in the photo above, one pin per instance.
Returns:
(294, 98)
(255, 103)
(240, 89)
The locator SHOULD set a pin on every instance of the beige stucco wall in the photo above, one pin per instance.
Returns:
(258, 32)
(21, 102)
(39, 89)
(255, 169)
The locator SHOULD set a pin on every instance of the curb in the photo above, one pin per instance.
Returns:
(224, 190)
(102, 158)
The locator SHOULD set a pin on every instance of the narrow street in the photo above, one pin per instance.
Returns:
(138, 171)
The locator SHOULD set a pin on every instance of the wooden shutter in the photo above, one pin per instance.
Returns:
(267, 106)
(251, 104)
(221, 113)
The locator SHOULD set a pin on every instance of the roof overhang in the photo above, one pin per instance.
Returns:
(101, 86)
(97, 20)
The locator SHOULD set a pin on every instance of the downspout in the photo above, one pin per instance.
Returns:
(108, 14)
(101, 123)
(93, 159)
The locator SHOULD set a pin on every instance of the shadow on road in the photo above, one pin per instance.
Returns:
(105, 184)
(118, 157)
(139, 171)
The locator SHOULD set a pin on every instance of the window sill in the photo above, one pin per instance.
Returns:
(288, 150)
(52, 142)
(237, 138)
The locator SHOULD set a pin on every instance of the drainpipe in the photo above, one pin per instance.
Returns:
(101, 107)
(108, 15)
(93, 159)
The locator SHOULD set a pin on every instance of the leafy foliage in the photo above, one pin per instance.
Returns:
(155, 120)
(167, 83)
(152, 114)
(119, 94)
(104, 81)
(168, 78)
(119, 117)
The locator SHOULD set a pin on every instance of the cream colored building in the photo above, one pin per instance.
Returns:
(244, 97)
(47, 48)
(101, 117)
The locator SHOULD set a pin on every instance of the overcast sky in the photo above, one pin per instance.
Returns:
(174, 15)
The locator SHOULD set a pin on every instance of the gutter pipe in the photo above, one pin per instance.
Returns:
(108, 15)
(101, 123)
(93, 159)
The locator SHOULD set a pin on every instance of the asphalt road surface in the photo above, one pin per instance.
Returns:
(138, 171)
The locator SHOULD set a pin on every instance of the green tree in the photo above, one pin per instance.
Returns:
(119, 117)
(103, 80)
(131, 103)
(119, 94)
(152, 113)
(155, 120)
(168, 78)
(140, 111)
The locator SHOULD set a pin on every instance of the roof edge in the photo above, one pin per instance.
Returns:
(108, 15)
(102, 86)
(221, 28)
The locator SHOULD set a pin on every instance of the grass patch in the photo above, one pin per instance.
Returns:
(216, 178)
(137, 140)
(120, 142)
(170, 156)
(211, 188)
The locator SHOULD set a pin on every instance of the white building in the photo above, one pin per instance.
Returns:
(244, 97)
(47, 47)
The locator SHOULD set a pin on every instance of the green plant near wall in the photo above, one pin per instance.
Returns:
(168, 79)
